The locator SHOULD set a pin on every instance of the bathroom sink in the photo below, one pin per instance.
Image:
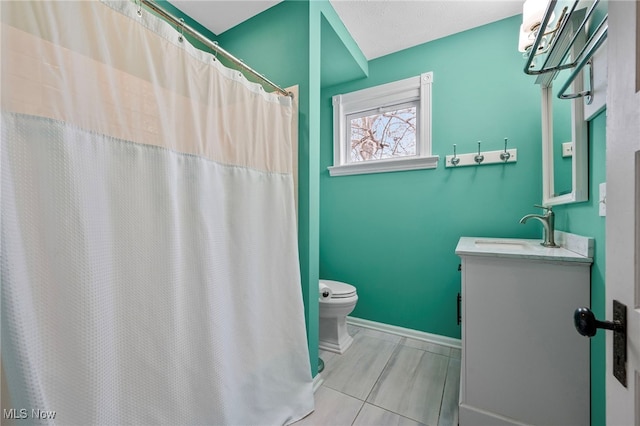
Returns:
(495, 244)
(518, 248)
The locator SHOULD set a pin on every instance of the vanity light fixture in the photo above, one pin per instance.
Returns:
(533, 14)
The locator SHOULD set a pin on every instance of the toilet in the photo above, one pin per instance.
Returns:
(334, 308)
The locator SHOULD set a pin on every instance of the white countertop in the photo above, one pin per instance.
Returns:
(517, 248)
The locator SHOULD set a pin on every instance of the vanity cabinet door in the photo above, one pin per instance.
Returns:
(523, 361)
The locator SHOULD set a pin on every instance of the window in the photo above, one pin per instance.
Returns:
(383, 128)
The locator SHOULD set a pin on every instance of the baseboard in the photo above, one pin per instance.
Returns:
(406, 332)
(317, 382)
(474, 416)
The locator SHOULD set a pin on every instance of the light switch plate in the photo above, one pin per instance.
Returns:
(567, 149)
(602, 199)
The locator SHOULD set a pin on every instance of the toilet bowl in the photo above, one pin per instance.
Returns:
(334, 309)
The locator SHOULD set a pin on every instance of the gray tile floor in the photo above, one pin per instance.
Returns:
(385, 379)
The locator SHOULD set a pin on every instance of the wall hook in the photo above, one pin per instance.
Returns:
(455, 160)
(478, 158)
(504, 156)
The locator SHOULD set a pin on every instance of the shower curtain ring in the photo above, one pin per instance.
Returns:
(181, 37)
(139, 3)
(215, 51)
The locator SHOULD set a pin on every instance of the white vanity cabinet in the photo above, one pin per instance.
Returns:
(522, 360)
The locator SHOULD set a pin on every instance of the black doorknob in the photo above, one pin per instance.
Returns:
(587, 324)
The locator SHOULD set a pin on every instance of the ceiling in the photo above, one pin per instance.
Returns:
(379, 27)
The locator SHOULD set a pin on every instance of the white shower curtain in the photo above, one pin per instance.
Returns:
(149, 255)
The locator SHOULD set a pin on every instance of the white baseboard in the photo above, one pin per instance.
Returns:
(317, 382)
(406, 332)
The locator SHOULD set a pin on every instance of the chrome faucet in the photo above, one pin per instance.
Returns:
(548, 222)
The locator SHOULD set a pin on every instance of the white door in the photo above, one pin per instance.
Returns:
(623, 203)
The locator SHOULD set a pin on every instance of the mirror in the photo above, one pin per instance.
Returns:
(562, 140)
(564, 146)
(564, 130)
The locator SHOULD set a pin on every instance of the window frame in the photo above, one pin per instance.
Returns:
(411, 89)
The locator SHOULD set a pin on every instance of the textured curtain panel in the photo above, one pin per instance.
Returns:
(149, 250)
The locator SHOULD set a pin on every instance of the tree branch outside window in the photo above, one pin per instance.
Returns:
(386, 135)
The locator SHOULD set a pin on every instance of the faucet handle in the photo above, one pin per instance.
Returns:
(547, 208)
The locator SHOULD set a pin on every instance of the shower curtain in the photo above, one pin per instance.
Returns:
(149, 249)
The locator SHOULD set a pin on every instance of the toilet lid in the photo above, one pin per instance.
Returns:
(339, 290)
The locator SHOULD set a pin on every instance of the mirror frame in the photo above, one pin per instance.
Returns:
(579, 164)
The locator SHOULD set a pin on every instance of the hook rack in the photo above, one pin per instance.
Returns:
(482, 158)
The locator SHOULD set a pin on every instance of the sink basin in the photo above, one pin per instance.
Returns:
(501, 244)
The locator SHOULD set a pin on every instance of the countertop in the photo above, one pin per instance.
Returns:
(517, 248)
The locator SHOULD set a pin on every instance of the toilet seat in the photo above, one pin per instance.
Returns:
(340, 290)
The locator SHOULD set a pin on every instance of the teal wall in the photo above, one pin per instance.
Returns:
(393, 235)
(583, 219)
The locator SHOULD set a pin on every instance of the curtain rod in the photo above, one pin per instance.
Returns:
(204, 40)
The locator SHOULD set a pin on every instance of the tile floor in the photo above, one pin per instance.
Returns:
(385, 379)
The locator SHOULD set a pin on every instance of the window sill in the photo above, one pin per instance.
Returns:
(381, 166)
